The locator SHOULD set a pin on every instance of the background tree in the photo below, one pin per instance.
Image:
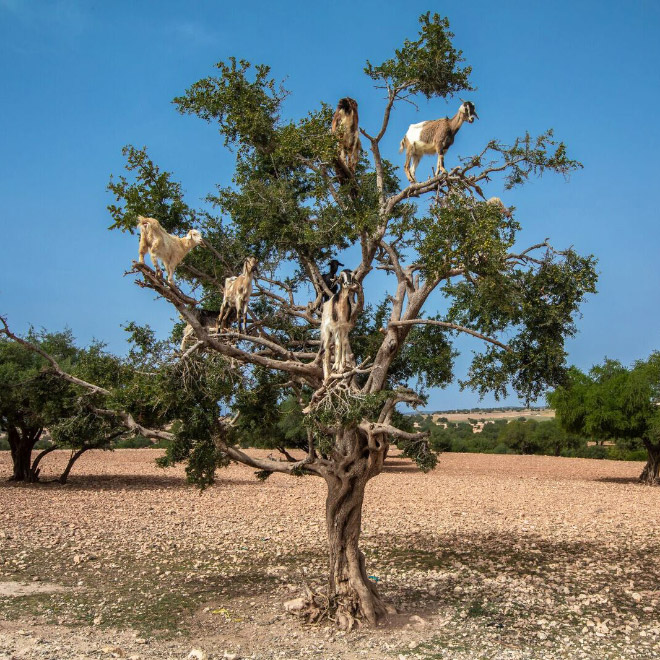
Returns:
(441, 245)
(34, 399)
(88, 398)
(613, 402)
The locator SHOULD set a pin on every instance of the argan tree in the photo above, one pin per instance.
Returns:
(612, 402)
(34, 398)
(432, 261)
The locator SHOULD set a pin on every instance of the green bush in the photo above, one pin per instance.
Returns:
(133, 442)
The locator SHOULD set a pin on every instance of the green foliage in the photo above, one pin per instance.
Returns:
(429, 66)
(519, 436)
(614, 402)
(289, 204)
(420, 450)
(542, 302)
(33, 397)
(153, 194)
(245, 110)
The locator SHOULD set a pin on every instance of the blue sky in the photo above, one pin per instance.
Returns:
(82, 79)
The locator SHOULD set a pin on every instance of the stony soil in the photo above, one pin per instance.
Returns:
(489, 557)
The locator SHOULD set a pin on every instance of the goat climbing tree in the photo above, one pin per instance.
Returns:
(437, 244)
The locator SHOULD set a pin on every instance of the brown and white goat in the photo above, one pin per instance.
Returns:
(345, 126)
(160, 245)
(208, 318)
(238, 290)
(433, 137)
(338, 318)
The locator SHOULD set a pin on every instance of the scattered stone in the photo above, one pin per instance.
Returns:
(197, 654)
(295, 605)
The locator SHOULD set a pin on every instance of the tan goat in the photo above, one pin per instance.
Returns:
(160, 245)
(237, 295)
(496, 201)
(433, 137)
(338, 318)
(345, 126)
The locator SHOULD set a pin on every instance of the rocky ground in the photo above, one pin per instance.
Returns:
(489, 557)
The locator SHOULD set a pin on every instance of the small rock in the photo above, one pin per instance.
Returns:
(294, 605)
(140, 640)
(230, 656)
(197, 654)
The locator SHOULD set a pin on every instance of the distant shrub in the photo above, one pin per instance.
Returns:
(134, 442)
(4, 444)
(501, 449)
(459, 445)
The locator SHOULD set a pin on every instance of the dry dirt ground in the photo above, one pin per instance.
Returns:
(488, 557)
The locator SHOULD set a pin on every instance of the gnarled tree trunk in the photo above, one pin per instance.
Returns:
(74, 457)
(21, 442)
(351, 592)
(651, 472)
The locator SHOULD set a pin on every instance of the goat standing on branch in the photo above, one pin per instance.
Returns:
(337, 320)
(433, 137)
(208, 318)
(160, 245)
(330, 279)
(345, 126)
(237, 295)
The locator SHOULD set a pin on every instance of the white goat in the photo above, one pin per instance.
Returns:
(338, 318)
(238, 290)
(160, 245)
(345, 125)
(433, 137)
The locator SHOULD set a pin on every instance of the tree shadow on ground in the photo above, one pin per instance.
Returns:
(114, 482)
(396, 465)
(620, 480)
(498, 580)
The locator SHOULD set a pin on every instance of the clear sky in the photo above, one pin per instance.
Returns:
(82, 78)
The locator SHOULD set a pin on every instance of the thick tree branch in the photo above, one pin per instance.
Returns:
(452, 326)
(95, 389)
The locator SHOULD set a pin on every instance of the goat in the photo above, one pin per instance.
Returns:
(330, 280)
(238, 290)
(345, 126)
(496, 201)
(433, 137)
(168, 248)
(337, 320)
(208, 318)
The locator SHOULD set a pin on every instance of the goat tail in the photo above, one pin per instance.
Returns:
(402, 145)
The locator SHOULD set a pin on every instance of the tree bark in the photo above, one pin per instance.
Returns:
(651, 472)
(74, 457)
(21, 442)
(353, 596)
(37, 460)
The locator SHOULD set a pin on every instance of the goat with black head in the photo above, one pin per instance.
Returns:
(330, 279)
(434, 137)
